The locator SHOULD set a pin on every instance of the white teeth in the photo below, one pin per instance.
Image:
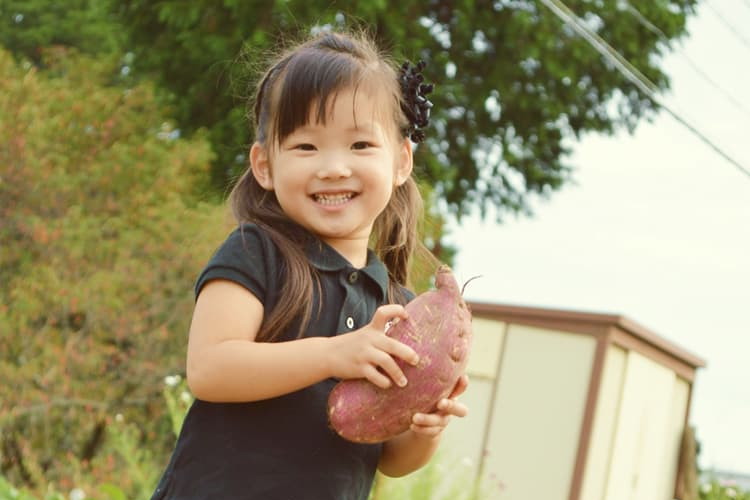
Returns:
(333, 199)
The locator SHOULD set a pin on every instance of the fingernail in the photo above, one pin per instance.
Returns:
(402, 382)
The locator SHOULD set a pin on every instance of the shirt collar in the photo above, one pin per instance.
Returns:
(377, 271)
(325, 258)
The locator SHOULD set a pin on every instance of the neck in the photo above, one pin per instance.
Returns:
(353, 250)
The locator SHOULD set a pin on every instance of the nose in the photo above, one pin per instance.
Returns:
(334, 166)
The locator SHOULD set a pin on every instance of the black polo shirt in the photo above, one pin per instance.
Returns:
(280, 448)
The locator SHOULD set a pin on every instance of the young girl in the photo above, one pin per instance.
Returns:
(295, 299)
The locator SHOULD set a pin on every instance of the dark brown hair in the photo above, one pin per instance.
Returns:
(304, 79)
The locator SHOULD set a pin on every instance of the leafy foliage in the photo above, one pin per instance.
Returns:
(440, 479)
(716, 490)
(102, 239)
(138, 473)
(722, 490)
(514, 85)
(27, 27)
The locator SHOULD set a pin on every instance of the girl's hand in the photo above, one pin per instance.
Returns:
(369, 352)
(432, 424)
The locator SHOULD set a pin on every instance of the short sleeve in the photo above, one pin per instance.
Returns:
(246, 257)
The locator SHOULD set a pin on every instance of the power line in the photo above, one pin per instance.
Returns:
(664, 38)
(630, 72)
(729, 26)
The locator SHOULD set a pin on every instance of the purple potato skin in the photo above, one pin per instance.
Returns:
(439, 330)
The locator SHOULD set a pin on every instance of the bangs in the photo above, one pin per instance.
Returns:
(311, 81)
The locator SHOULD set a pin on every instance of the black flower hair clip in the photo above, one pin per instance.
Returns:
(415, 104)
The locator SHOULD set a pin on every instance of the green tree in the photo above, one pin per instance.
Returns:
(27, 27)
(103, 233)
(515, 87)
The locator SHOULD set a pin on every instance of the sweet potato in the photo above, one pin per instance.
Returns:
(439, 330)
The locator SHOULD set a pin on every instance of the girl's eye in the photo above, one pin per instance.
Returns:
(361, 145)
(305, 147)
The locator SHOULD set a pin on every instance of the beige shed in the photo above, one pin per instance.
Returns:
(569, 405)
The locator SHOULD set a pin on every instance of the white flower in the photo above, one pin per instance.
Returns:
(172, 380)
(77, 494)
(119, 418)
(467, 462)
(186, 397)
(731, 492)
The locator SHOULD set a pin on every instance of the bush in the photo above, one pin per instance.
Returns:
(716, 490)
(140, 470)
(103, 233)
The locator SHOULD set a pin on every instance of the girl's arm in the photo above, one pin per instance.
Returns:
(225, 364)
(411, 450)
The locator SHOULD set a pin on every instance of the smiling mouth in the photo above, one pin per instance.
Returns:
(333, 198)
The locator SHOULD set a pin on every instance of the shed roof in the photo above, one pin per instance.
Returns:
(614, 327)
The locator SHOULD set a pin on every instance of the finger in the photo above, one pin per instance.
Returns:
(376, 377)
(461, 384)
(391, 368)
(430, 419)
(426, 431)
(453, 407)
(387, 312)
(400, 350)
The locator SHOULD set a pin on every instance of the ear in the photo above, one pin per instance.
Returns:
(404, 162)
(261, 166)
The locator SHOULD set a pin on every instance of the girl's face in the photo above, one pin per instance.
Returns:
(336, 178)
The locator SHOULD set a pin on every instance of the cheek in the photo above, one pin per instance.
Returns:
(288, 186)
(283, 176)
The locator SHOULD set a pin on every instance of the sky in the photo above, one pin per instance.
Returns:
(655, 227)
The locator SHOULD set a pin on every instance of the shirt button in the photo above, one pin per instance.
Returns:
(353, 277)
(350, 322)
